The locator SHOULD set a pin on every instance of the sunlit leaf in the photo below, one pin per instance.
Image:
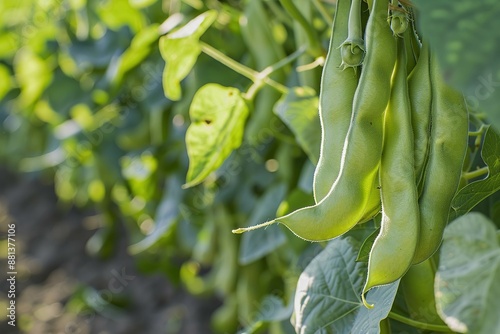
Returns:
(9, 44)
(180, 49)
(218, 117)
(5, 81)
(117, 13)
(33, 75)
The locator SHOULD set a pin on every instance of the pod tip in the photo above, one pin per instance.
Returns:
(239, 230)
(367, 305)
(251, 228)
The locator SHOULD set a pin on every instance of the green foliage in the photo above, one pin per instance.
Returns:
(328, 293)
(218, 117)
(180, 50)
(175, 118)
(475, 192)
(466, 280)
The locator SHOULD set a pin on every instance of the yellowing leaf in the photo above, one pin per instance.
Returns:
(218, 117)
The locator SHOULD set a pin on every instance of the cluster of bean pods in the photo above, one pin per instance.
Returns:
(394, 138)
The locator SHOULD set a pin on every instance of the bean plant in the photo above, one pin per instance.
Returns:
(318, 166)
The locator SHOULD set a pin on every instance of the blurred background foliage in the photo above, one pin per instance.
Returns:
(86, 103)
(82, 104)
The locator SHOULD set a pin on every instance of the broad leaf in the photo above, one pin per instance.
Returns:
(328, 297)
(218, 117)
(473, 193)
(180, 50)
(140, 47)
(467, 279)
(299, 111)
(467, 48)
(117, 13)
(259, 243)
(366, 247)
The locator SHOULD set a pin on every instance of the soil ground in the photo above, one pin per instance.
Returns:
(53, 267)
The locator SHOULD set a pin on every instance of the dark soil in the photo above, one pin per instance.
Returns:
(53, 269)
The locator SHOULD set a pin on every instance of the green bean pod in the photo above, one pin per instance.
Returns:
(419, 86)
(353, 48)
(346, 202)
(335, 107)
(392, 252)
(411, 60)
(448, 145)
(417, 286)
(373, 204)
(399, 22)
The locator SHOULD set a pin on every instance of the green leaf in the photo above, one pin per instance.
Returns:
(328, 297)
(473, 193)
(33, 75)
(299, 111)
(366, 247)
(218, 117)
(180, 50)
(139, 49)
(467, 48)
(261, 242)
(117, 13)
(467, 289)
(141, 3)
(5, 81)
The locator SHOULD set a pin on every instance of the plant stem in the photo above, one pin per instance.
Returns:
(418, 324)
(283, 62)
(251, 228)
(257, 77)
(314, 45)
(229, 62)
(477, 133)
(476, 173)
(276, 85)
